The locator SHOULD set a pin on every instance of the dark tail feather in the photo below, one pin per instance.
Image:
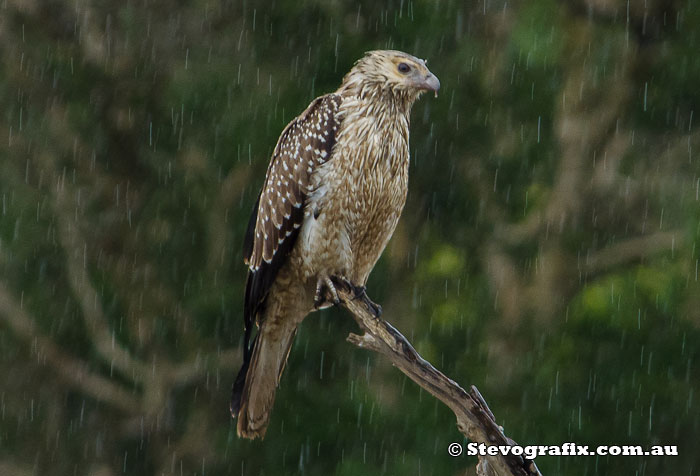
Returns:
(249, 311)
(254, 391)
(239, 383)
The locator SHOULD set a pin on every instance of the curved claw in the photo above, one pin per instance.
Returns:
(324, 288)
(376, 308)
(360, 292)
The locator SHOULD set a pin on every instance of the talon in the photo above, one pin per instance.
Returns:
(318, 297)
(318, 301)
(360, 292)
(374, 308)
(328, 282)
(324, 287)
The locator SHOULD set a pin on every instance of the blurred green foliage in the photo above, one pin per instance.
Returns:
(547, 253)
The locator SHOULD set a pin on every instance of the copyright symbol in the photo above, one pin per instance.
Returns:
(454, 449)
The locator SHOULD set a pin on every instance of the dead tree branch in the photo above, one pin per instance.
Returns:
(70, 369)
(102, 337)
(474, 418)
(632, 250)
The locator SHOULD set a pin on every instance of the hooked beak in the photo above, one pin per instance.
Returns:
(429, 83)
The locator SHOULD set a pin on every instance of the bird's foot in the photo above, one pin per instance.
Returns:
(325, 289)
(327, 294)
(360, 292)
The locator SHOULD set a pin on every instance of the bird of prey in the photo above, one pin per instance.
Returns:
(333, 194)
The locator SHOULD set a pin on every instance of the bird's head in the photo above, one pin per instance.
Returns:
(392, 71)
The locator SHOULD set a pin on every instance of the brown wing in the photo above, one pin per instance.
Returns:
(305, 143)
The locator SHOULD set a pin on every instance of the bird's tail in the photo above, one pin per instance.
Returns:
(256, 383)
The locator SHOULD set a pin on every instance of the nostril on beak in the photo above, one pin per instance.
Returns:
(432, 83)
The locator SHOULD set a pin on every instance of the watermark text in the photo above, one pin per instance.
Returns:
(566, 449)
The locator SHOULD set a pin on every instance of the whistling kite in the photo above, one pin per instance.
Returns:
(332, 196)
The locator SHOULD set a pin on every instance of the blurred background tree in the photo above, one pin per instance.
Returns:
(547, 252)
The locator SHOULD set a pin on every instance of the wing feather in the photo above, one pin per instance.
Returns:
(304, 144)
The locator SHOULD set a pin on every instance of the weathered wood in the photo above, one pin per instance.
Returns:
(474, 418)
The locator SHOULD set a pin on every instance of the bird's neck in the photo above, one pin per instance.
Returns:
(377, 117)
(386, 101)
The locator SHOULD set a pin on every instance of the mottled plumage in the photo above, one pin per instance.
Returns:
(332, 197)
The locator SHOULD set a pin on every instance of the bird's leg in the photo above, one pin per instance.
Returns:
(360, 292)
(322, 285)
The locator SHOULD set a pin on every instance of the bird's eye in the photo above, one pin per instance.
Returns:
(404, 68)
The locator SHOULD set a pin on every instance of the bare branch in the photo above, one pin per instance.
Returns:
(75, 249)
(70, 369)
(474, 418)
(185, 373)
(631, 250)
